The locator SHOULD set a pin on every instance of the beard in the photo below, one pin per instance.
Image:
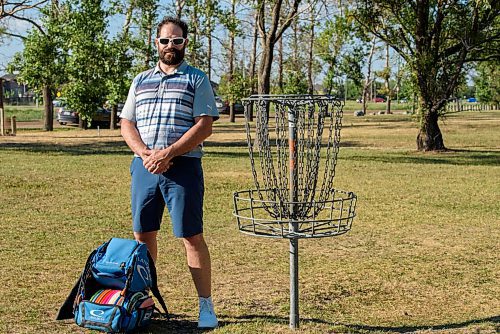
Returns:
(172, 56)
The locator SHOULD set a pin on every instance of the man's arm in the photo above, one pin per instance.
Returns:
(159, 160)
(133, 139)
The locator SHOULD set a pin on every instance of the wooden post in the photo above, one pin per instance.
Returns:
(2, 113)
(13, 126)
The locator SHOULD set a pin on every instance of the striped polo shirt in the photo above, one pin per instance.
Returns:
(164, 106)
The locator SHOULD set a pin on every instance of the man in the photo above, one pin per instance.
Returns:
(168, 114)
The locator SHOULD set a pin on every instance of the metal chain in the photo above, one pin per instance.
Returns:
(272, 185)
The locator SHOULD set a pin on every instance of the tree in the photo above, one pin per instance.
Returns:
(41, 64)
(143, 43)
(270, 36)
(236, 87)
(368, 79)
(119, 63)
(87, 62)
(337, 47)
(436, 38)
(488, 82)
(211, 13)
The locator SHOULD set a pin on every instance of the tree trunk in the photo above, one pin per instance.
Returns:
(195, 31)
(310, 84)
(265, 70)
(269, 38)
(231, 62)
(209, 55)
(114, 111)
(149, 49)
(387, 84)
(179, 6)
(429, 137)
(2, 111)
(368, 80)
(253, 60)
(48, 109)
(280, 65)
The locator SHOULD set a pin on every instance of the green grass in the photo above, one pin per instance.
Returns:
(422, 255)
(24, 113)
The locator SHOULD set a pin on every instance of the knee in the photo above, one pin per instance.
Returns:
(196, 241)
(145, 237)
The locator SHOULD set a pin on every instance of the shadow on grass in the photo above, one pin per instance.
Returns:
(243, 143)
(176, 324)
(97, 148)
(405, 329)
(367, 328)
(451, 157)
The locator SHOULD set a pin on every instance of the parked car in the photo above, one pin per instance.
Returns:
(379, 99)
(472, 100)
(66, 116)
(222, 106)
(119, 108)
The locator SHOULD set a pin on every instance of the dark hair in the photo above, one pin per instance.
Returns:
(178, 22)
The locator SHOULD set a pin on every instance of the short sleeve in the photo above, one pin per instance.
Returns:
(204, 100)
(128, 111)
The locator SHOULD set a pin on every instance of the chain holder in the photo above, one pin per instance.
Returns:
(293, 146)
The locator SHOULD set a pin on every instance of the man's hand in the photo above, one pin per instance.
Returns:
(158, 161)
(145, 153)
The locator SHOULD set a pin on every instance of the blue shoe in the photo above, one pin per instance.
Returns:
(207, 317)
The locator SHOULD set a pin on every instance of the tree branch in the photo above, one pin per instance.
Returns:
(261, 18)
(30, 21)
(13, 35)
(21, 7)
(288, 20)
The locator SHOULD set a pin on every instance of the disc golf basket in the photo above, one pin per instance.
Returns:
(293, 146)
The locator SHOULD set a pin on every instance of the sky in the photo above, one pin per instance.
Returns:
(10, 46)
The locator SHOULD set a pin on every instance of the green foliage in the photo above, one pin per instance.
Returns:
(337, 46)
(143, 42)
(236, 88)
(488, 82)
(87, 63)
(43, 60)
(119, 65)
(295, 83)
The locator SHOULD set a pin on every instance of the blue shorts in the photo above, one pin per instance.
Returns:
(180, 187)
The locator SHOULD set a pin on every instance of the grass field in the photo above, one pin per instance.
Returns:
(24, 113)
(422, 256)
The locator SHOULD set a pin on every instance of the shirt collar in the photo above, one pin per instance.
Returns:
(181, 69)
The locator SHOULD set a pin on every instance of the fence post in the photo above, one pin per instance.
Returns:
(13, 126)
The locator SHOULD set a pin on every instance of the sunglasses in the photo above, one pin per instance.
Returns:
(175, 40)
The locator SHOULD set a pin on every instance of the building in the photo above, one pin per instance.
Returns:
(15, 93)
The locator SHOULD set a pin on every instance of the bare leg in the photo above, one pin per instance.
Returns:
(198, 259)
(149, 238)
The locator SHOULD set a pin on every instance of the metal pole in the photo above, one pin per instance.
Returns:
(294, 242)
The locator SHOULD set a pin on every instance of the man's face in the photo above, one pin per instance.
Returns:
(171, 53)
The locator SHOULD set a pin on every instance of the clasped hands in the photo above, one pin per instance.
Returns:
(157, 161)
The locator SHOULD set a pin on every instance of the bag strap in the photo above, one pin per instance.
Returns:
(67, 309)
(154, 286)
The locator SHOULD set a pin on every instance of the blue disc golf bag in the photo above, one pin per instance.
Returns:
(112, 293)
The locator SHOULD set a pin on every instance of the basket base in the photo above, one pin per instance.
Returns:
(267, 218)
